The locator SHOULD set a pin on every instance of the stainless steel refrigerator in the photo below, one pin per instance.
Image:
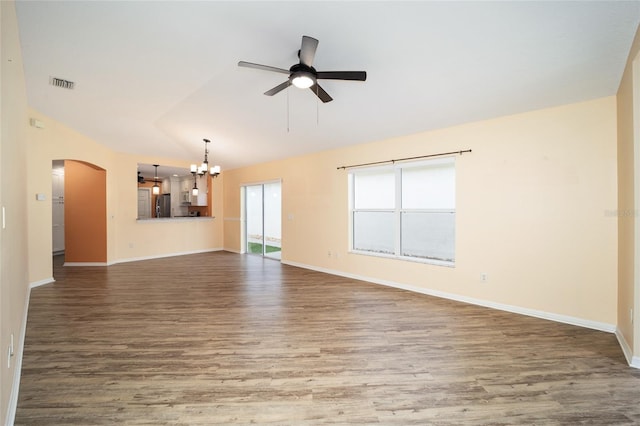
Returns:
(163, 207)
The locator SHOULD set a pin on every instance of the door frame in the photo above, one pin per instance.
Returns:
(243, 215)
(148, 190)
(57, 169)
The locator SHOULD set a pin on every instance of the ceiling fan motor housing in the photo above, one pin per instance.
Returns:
(302, 76)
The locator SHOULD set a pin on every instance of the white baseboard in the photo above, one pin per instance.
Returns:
(633, 361)
(626, 349)
(160, 256)
(233, 251)
(41, 282)
(15, 386)
(609, 328)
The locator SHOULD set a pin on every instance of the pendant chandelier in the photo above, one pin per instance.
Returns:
(203, 169)
(155, 189)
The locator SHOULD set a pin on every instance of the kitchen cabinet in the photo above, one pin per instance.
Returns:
(186, 188)
(166, 186)
(201, 198)
(186, 184)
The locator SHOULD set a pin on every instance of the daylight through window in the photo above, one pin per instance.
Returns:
(406, 210)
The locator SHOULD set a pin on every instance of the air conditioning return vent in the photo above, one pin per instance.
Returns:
(59, 82)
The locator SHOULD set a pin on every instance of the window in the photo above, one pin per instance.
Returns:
(405, 211)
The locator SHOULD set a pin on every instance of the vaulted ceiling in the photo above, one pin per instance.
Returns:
(155, 78)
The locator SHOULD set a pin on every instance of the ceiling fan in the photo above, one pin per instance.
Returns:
(303, 75)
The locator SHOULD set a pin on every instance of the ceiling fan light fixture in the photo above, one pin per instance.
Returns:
(303, 75)
(303, 80)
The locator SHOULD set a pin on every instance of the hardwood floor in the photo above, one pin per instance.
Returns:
(222, 338)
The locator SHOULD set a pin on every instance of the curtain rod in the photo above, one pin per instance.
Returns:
(404, 159)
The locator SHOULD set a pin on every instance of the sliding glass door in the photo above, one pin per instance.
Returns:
(272, 209)
(263, 215)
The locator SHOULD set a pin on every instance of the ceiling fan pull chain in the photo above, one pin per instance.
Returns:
(288, 112)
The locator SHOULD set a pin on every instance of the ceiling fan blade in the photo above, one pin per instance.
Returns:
(342, 75)
(262, 67)
(319, 91)
(308, 50)
(278, 88)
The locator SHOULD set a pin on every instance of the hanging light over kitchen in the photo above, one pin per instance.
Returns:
(155, 189)
(194, 191)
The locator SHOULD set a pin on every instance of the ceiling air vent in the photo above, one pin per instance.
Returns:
(59, 82)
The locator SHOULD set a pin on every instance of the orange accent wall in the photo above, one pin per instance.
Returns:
(85, 212)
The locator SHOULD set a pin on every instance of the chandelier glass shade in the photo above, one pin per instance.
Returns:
(204, 168)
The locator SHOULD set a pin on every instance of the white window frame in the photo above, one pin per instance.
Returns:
(397, 210)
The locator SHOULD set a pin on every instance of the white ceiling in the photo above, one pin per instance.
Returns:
(157, 77)
(149, 172)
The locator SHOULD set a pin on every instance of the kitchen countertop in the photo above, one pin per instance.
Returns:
(175, 218)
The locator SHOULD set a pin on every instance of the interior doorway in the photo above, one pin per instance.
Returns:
(79, 214)
(57, 207)
(144, 203)
(263, 219)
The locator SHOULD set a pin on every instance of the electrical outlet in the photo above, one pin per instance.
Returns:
(483, 277)
(10, 352)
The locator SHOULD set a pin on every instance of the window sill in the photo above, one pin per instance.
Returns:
(435, 262)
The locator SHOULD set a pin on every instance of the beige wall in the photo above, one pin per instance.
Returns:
(628, 101)
(532, 211)
(13, 239)
(57, 142)
(127, 238)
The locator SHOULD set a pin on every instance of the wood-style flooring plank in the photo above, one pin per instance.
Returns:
(222, 338)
